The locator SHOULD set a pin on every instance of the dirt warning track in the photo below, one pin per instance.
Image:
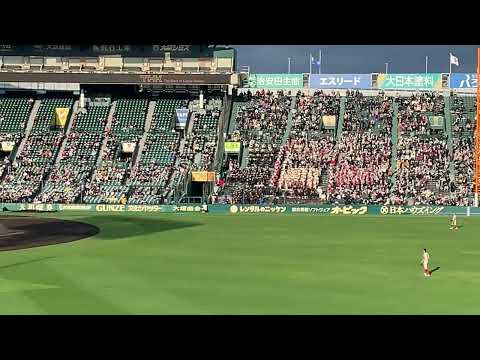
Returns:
(22, 232)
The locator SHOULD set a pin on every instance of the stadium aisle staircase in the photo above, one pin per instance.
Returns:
(190, 122)
(28, 127)
(139, 149)
(244, 161)
(233, 116)
(289, 121)
(148, 124)
(113, 108)
(221, 131)
(394, 143)
(339, 127)
(151, 110)
(448, 130)
(227, 113)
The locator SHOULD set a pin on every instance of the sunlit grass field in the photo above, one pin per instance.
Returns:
(248, 264)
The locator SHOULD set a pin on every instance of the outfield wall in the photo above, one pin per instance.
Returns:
(254, 209)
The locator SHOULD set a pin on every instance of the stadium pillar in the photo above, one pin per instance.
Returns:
(82, 100)
(201, 99)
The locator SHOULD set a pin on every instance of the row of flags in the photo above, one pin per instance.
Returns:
(453, 61)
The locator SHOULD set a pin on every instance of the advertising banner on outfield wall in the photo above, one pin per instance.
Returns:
(312, 209)
(340, 81)
(409, 81)
(275, 81)
(422, 210)
(341, 210)
(463, 81)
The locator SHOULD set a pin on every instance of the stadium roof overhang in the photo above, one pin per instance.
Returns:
(119, 78)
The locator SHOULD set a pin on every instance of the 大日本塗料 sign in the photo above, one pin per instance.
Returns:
(409, 81)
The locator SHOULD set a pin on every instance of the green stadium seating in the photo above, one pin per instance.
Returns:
(164, 114)
(93, 120)
(14, 113)
(130, 116)
(46, 112)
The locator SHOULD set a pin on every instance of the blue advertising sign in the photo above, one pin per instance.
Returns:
(182, 117)
(340, 81)
(463, 81)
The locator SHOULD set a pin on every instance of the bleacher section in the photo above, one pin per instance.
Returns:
(130, 116)
(35, 161)
(107, 184)
(160, 148)
(78, 158)
(46, 113)
(150, 178)
(93, 119)
(14, 112)
(164, 114)
(463, 111)
(262, 122)
(301, 148)
(360, 168)
(305, 158)
(422, 152)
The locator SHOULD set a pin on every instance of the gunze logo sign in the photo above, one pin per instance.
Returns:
(340, 81)
(463, 81)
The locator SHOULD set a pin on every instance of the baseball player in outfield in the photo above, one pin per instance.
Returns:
(425, 259)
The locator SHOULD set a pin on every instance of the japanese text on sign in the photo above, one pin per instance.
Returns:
(409, 81)
(463, 81)
(340, 81)
(411, 210)
(257, 209)
(276, 81)
(349, 210)
(324, 210)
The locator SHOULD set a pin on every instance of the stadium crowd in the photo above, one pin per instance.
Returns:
(422, 169)
(302, 165)
(360, 172)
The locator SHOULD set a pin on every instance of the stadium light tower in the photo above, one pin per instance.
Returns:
(477, 134)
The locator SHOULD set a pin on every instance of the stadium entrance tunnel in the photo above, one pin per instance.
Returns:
(22, 232)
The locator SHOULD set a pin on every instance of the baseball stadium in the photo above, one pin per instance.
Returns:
(166, 179)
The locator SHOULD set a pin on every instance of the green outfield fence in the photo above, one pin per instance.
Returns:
(356, 210)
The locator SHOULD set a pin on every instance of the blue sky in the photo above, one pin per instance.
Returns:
(357, 59)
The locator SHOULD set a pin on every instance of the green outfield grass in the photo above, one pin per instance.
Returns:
(247, 264)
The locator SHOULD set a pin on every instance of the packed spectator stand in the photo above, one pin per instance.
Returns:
(414, 149)
(362, 164)
(422, 174)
